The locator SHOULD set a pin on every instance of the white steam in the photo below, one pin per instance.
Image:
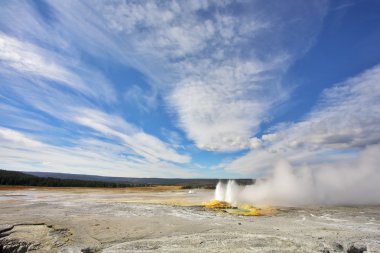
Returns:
(340, 183)
(228, 191)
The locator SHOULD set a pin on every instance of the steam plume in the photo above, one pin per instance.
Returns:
(356, 182)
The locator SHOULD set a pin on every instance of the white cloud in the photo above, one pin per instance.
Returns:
(141, 143)
(14, 136)
(25, 57)
(218, 71)
(173, 138)
(213, 66)
(220, 76)
(142, 99)
(256, 143)
(346, 120)
(221, 109)
(31, 61)
(36, 65)
(87, 156)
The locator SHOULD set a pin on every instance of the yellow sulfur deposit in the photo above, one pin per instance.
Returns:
(244, 210)
(216, 204)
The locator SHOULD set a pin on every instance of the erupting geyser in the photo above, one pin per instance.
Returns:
(220, 191)
(228, 197)
(227, 192)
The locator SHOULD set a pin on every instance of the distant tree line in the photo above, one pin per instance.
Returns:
(197, 186)
(19, 178)
(211, 183)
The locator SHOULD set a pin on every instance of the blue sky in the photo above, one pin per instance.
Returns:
(187, 89)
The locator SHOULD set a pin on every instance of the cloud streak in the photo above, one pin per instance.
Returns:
(141, 143)
(87, 156)
(345, 121)
(57, 107)
(215, 68)
(218, 86)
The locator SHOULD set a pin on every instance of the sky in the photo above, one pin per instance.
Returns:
(194, 89)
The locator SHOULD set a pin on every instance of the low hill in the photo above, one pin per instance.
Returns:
(20, 178)
(79, 180)
(185, 182)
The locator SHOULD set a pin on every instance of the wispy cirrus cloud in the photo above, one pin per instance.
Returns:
(20, 58)
(142, 144)
(58, 109)
(343, 123)
(217, 66)
(143, 99)
(221, 77)
(87, 156)
(17, 137)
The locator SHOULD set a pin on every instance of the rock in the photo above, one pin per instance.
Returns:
(354, 249)
(325, 251)
(22, 249)
(9, 248)
(13, 246)
(337, 246)
(33, 246)
(86, 250)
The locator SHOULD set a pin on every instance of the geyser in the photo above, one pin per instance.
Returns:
(220, 191)
(340, 183)
(228, 192)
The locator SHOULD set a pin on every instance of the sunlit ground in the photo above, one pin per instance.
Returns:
(165, 195)
(162, 195)
(166, 217)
